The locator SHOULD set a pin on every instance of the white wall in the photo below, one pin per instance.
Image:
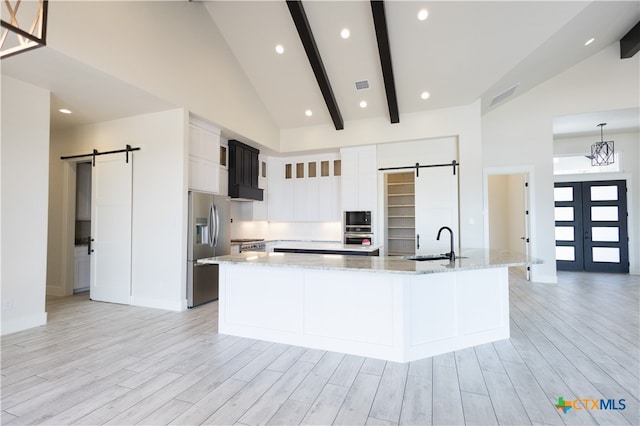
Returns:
(178, 52)
(159, 213)
(25, 172)
(628, 144)
(519, 133)
(462, 122)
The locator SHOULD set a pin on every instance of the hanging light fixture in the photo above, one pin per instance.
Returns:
(26, 27)
(602, 152)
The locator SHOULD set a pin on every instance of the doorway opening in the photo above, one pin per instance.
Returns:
(591, 226)
(509, 214)
(82, 236)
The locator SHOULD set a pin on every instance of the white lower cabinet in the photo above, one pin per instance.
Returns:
(82, 269)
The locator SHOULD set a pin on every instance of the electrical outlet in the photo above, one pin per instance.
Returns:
(7, 304)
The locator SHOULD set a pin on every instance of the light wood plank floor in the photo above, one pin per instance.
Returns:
(99, 363)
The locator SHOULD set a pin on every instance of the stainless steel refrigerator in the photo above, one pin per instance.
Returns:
(209, 235)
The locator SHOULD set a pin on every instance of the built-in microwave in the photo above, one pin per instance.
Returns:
(357, 222)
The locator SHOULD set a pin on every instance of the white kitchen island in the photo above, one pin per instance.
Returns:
(380, 307)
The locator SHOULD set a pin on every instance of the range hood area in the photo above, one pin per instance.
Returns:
(243, 172)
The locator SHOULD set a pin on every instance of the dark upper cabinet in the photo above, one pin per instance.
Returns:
(243, 171)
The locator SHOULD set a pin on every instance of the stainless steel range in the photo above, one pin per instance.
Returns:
(254, 245)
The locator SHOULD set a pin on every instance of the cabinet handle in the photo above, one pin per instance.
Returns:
(89, 249)
(418, 241)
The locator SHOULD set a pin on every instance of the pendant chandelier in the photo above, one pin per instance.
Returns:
(602, 152)
(26, 27)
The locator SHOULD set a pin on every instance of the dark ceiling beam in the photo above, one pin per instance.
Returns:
(306, 37)
(382, 35)
(630, 43)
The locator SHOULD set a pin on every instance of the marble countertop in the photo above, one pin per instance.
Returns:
(468, 260)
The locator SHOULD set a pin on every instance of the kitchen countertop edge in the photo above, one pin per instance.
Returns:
(472, 259)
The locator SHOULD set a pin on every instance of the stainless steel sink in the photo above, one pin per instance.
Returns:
(423, 257)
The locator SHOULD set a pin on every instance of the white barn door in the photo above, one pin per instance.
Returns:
(111, 229)
(436, 192)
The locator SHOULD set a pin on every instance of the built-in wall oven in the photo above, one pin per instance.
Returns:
(358, 228)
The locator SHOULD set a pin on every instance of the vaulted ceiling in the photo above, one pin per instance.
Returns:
(463, 51)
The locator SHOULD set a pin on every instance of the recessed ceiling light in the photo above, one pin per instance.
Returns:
(425, 95)
(345, 33)
(308, 113)
(280, 49)
(588, 42)
(423, 14)
(64, 111)
(363, 104)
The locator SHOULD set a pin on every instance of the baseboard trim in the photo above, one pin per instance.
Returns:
(169, 305)
(23, 323)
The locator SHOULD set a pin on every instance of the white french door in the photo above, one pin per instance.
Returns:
(111, 229)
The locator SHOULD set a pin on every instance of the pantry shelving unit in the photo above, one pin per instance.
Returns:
(400, 213)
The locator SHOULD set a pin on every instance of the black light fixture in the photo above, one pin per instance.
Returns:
(602, 152)
(26, 27)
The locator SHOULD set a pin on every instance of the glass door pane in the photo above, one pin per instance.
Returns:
(605, 233)
(565, 233)
(563, 194)
(604, 193)
(606, 254)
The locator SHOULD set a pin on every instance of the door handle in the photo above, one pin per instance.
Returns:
(217, 231)
(211, 225)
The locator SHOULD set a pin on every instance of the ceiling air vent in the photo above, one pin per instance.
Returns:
(504, 95)
(362, 84)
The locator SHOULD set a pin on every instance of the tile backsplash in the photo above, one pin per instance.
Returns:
(315, 231)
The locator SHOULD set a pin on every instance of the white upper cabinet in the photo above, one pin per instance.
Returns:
(204, 158)
(359, 178)
(304, 188)
(279, 191)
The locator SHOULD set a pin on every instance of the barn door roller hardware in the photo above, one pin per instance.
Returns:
(419, 166)
(95, 153)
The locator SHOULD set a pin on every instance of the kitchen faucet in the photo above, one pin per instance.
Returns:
(451, 255)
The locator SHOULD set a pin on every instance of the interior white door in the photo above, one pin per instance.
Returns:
(436, 195)
(111, 229)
